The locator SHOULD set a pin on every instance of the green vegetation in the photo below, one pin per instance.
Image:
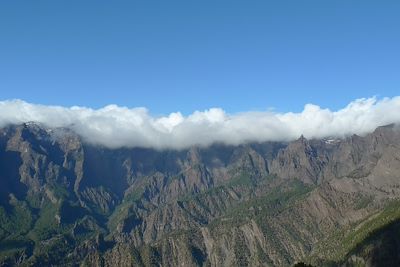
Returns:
(47, 232)
(260, 208)
(188, 216)
(121, 212)
(135, 195)
(241, 179)
(46, 225)
(18, 221)
(339, 245)
(363, 201)
(58, 191)
(14, 225)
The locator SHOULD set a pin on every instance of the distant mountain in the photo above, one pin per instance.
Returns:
(333, 202)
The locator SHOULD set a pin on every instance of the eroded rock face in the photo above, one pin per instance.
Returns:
(64, 202)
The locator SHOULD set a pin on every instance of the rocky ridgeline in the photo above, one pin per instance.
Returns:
(66, 202)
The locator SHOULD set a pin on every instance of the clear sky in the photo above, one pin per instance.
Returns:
(192, 55)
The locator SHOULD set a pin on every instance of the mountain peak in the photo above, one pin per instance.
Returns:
(172, 206)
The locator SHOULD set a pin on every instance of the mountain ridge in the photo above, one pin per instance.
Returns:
(220, 205)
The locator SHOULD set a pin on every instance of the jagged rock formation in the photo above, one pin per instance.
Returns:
(65, 202)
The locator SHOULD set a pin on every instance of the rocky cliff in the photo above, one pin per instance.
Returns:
(64, 202)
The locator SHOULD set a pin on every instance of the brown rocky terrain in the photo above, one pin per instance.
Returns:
(65, 202)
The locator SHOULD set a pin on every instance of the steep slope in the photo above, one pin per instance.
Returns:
(66, 202)
(380, 248)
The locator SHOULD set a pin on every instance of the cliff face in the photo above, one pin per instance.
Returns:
(65, 202)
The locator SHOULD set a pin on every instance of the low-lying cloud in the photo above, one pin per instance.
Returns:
(115, 126)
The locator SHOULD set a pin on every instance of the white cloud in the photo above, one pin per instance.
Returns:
(115, 126)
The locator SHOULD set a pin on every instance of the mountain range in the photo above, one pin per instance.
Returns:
(325, 202)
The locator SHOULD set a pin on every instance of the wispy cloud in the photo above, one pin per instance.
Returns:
(115, 126)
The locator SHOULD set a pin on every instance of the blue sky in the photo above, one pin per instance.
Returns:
(192, 55)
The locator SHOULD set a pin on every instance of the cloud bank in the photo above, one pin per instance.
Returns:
(114, 126)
